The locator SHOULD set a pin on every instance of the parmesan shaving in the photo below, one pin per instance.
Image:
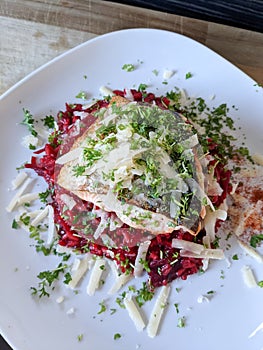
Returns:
(190, 246)
(17, 182)
(194, 250)
(95, 276)
(27, 198)
(252, 252)
(206, 254)
(68, 201)
(141, 255)
(133, 312)
(40, 217)
(248, 277)
(79, 269)
(60, 299)
(211, 219)
(259, 328)
(69, 156)
(105, 91)
(167, 74)
(18, 194)
(51, 225)
(120, 281)
(157, 312)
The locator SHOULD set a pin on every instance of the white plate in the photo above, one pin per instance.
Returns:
(233, 312)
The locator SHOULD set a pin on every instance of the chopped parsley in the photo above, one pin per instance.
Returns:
(117, 336)
(79, 170)
(49, 121)
(142, 87)
(144, 294)
(235, 257)
(255, 240)
(102, 308)
(181, 322)
(29, 121)
(260, 284)
(43, 196)
(15, 224)
(128, 67)
(82, 95)
(47, 280)
(176, 308)
(188, 75)
(80, 337)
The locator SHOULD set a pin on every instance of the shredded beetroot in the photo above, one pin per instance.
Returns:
(164, 262)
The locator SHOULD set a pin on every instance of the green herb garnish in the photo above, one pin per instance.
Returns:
(117, 336)
(29, 122)
(188, 75)
(255, 240)
(49, 121)
(128, 67)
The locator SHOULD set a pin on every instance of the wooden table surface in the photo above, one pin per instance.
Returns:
(35, 31)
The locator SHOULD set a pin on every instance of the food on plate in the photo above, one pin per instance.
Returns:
(140, 180)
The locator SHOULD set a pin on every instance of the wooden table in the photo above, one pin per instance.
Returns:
(33, 32)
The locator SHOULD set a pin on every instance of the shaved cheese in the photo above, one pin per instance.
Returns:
(28, 198)
(106, 91)
(199, 192)
(141, 255)
(157, 312)
(68, 201)
(248, 276)
(40, 217)
(195, 250)
(128, 94)
(206, 253)
(191, 142)
(190, 246)
(18, 194)
(102, 225)
(259, 328)
(61, 249)
(69, 156)
(30, 140)
(114, 268)
(207, 244)
(19, 180)
(79, 269)
(71, 311)
(120, 281)
(95, 276)
(252, 252)
(133, 312)
(202, 299)
(51, 225)
(60, 299)
(167, 74)
(211, 219)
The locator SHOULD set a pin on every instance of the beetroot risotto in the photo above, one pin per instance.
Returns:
(138, 179)
(135, 181)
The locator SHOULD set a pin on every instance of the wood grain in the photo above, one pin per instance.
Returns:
(34, 31)
(29, 45)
